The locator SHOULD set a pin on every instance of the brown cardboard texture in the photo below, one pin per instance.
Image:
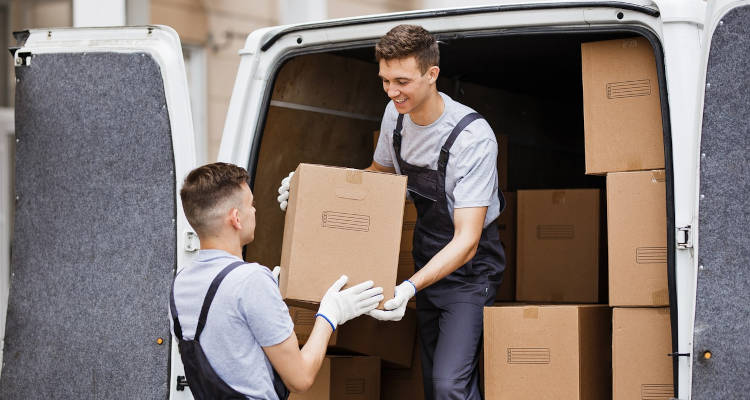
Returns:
(637, 235)
(393, 342)
(547, 352)
(345, 378)
(340, 221)
(403, 383)
(621, 106)
(406, 266)
(405, 258)
(641, 340)
(557, 258)
(507, 227)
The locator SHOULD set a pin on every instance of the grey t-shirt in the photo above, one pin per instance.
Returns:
(471, 173)
(246, 315)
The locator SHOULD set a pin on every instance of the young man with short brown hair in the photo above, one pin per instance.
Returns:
(246, 346)
(449, 154)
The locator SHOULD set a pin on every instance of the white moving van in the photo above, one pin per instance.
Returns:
(104, 139)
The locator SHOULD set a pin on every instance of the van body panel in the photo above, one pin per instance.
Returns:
(104, 138)
(722, 309)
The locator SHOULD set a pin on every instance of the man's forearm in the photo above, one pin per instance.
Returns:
(456, 253)
(314, 350)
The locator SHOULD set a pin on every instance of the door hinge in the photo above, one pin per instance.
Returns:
(192, 243)
(684, 237)
(181, 383)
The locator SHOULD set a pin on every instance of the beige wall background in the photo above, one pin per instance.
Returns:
(217, 27)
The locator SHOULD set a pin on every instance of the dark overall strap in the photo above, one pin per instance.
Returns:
(206, 302)
(397, 137)
(460, 126)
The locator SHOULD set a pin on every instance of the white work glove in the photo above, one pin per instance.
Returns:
(284, 191)
(396, 307)
(276, 272)
(339, 306)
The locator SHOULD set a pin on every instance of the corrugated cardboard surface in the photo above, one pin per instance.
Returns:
(558, 246)
(546, 352)
(340, 221)
(641, 340)
(403, 383)
(345, 378)
(507, 227)
(393, 342)
(621, 106)
(637, 235)
(406, 260)
(406, 266)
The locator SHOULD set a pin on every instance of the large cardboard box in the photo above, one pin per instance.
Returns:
(621, 106)
(637, 235)
(340, 221)
(345, 378)
(547, 352)
(557, 257)
(641, 340)
(393, 342)
(403, 383)
(507, 227)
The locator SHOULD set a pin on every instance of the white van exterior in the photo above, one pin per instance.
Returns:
(682, 31)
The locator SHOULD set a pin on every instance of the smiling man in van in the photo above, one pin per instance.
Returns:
(449, 153)
(241, 338)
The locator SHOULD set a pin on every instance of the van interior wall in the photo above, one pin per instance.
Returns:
(527, 87)
(324, 110)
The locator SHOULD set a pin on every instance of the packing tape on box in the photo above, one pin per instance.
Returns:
(658, 176)
(660, 297)
(531, 313)
(558, 197)
(354, 176)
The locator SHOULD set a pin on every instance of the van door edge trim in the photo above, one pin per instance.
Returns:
(267, 43)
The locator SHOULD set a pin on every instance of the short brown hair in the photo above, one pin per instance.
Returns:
(409, 40)
(207, 188)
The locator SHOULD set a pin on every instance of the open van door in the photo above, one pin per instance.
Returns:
(104, 137)
(722, 310)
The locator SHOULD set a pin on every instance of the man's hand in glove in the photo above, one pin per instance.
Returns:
(339, 306)
(396, 307)
(284, 191)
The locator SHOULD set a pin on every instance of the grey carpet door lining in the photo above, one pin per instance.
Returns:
(94, 235)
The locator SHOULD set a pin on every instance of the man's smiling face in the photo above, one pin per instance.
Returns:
(405, 83)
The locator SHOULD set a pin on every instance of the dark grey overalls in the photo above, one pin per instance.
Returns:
(449, 312)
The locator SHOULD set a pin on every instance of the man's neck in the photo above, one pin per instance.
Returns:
(231, 246)
(429, 111)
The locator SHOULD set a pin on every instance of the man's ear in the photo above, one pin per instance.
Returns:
(433, 73)
(234, 218)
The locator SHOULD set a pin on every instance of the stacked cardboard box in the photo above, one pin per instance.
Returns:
(641, 340)
(623, 136)
(343, 377)
(547, 352)
(393, 342)
(621, 106)
(558, 246)
(637, 225)
(403, 383)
